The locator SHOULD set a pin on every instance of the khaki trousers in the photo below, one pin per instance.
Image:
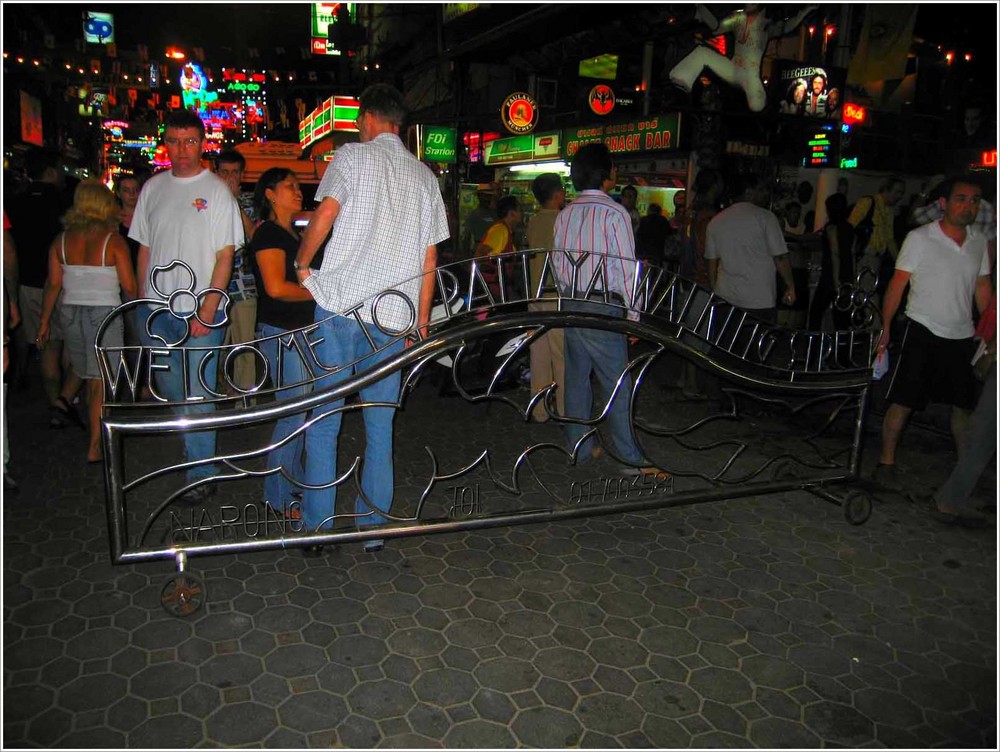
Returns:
(241, 329)
(547, 363)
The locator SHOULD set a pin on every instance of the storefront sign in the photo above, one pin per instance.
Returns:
(989, 158)
(437, 144)
(820, 149)
(335, 114)
(656, 133)
(854, 114)
(601, 99)
(519, 113)
(324, 17)
(526, 148)
(748, 150)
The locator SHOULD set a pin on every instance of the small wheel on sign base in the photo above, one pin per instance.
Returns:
(857, 507)
(182, 594)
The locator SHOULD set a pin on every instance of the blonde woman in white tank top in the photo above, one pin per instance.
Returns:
(89, 264)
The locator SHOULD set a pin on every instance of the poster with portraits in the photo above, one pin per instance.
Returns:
(806, 90)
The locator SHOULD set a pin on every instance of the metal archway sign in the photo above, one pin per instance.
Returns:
(469, 453)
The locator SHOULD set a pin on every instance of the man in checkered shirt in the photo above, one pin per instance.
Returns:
(387, 217)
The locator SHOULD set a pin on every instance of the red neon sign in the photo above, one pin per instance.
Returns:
(990, 158)
(854, 114)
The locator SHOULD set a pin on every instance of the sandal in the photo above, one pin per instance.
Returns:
(64, 414)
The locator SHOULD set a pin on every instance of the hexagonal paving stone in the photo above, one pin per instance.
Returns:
(473, 633)
(231, 670)
(770, 671)
(162, 680)
(479, 733)
(174, 731)
(839, 724)
(609, 713)
(669, 641)
(523, 623)
(393, 605)
(778, 732)
(615, 651)
(565, 663)
(381, 699)
(506, 674)
(278, 619)
(91, 692)
(241, 723)
(295, 660)
(31, 700)
(312, 711)
(161, 634)
(357, 650)
(667, 698)
(32, 652)
(445, 687)
(416, 642)
(100, 642)
(721, 684)
(493, 706)
(546, 728)
(577, 614)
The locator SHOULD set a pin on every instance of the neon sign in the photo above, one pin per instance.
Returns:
(989, 158)
(854, 114)
(194, 88)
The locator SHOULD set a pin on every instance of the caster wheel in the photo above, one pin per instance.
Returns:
(857, 508)
(182, 594)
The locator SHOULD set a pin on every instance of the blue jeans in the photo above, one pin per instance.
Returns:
(606, 354)
(287, 457)
(170, 383)
(343, 342)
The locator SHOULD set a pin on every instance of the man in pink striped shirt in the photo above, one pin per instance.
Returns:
(595, 235)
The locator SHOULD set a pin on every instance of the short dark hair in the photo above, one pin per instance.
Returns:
(269, 179)
(630, 189)
(385, 101)
(836, 207)
(231, 156)
(184, 119)
(742, 184)
(506, 205)
(947, 186)
(592, 165)
(887, 185)
(545, 186)
(39, 161)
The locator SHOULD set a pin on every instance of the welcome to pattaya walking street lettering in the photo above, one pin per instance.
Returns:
(650, 291)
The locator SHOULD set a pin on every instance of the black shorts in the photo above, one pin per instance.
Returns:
(930, 368)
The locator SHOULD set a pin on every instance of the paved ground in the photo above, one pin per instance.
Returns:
(759, 622)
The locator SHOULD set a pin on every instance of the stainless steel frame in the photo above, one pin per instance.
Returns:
(812, 382)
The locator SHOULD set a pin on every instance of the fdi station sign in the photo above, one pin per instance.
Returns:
(654, 133)
(436, 143)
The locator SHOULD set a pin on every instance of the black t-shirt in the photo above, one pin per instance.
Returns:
(651, 237)
(279, 313)
(35, 222)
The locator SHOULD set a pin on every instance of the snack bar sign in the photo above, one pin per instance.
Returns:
(657, 133)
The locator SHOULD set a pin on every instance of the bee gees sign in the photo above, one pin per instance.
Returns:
(519, 113)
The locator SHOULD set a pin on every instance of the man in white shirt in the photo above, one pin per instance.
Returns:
(387, 217)
(946, 267)
(744, 246)
(186, 214)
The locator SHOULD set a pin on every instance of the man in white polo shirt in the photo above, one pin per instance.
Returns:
(186, 214)
(946, 267)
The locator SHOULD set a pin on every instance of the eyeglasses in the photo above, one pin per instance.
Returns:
(188, 142)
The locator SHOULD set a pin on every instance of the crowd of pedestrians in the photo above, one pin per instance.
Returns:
(379, 220)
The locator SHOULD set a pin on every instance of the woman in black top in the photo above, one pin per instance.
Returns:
(283, 306)
(837, 266)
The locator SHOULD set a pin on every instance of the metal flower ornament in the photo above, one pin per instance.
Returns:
(179, 301)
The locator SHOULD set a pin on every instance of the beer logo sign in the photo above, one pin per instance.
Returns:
(519, 113)
(601, 99)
